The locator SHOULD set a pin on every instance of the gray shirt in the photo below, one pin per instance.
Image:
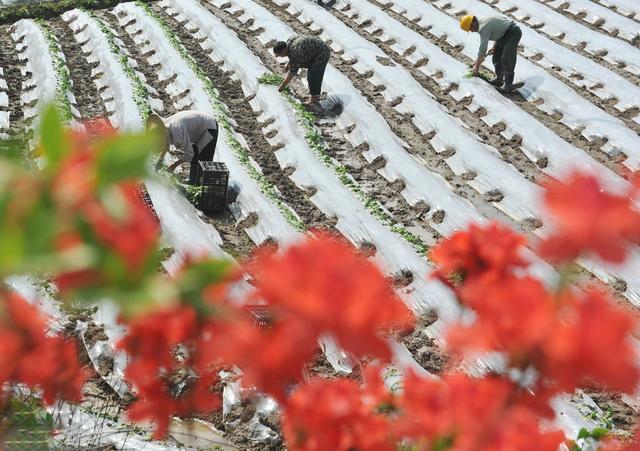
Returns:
(491, 29)
(189, 128)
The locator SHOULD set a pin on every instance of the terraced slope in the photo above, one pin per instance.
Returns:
(418, 152)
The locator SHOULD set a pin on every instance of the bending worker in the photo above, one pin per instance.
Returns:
(304, 51)
(193, 133)
(506, 35)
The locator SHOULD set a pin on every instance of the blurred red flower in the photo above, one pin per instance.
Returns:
(482, 249)
(155, 363)
(461, 413)
(133, 234)
(325, 284)
(329, 414)
(29, 356)
(587, 218)
(580, 348)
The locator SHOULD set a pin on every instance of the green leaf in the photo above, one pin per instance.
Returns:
(51, 137)
(125, 158)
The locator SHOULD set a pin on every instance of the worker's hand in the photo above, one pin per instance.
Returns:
(174, 166)
(490, 52)
(476, 70)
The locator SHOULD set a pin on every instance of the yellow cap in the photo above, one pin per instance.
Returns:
(465, 22)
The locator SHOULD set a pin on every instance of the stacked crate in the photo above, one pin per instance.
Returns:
(213, 179)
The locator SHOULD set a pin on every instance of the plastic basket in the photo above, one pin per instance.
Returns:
(213, 178)
(143, 194)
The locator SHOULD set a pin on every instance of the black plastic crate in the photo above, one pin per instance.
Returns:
(261, 315)
(143, 195)
(213, 178)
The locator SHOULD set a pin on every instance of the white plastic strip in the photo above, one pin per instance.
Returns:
(354, 221)
(451, 135)
(601, 17)
(113, 84)
(537, 140)
(581, 71)
(577, 112)
(573, 33)
(628, 8)
(146, 32)
(40, 80)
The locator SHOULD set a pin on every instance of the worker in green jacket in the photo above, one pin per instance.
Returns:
(308, 52)
(506, 35)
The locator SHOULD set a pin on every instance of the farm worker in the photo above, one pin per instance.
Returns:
(506, 35)
(304, 51)
(193, 133)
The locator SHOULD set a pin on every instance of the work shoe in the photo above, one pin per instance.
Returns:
(508, 82)
(498, 80)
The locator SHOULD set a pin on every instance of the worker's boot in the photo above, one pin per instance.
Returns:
(498, 80)
(508, 82)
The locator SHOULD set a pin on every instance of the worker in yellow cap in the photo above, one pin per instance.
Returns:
(506, 35)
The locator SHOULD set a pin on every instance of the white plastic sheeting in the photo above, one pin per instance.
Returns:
(537, 140)
(628, 8)
(573, 33)
(601, 17)
(146, 32)
(82, 429)
(394, 254)
(40, 79)
(451, 135)
(577, 112)
(581, 71)
(568, 416)
(111, 80)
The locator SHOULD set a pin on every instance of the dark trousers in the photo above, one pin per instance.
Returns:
(315, 75)
(206, 154)
(505, 52)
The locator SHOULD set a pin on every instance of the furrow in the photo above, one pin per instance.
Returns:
(598, 18)
(540, 102)
(87, 99)
(626, 8)
(610, 88)
(618, 56)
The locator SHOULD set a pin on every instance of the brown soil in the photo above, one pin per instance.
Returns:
(509, 149)
(424, 349)
(144, 68)
(13, 77)
(418, 144)
(579, 49)
(246, 119)
(88, 101)
(622, 415)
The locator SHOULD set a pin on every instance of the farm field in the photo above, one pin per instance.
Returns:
(417, 151)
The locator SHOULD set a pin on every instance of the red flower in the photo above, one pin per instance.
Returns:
(29, 356)
(99, 127)
(284, 349)
(592, 342)
(588, 219)
(330, 415)
(514, 315)
(467, 414)
(330, 288)
(482, 249)
(134, 235)
(151, 343)
(75, 181)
